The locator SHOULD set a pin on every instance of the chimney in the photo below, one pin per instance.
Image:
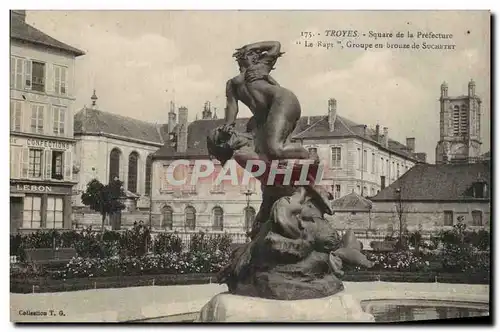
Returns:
(377, 133)
(410, 144)
(182, 130)
(332, 113)
(385, 142)
(171, 118)
(18, 14)
(421, 156)
(207, 111)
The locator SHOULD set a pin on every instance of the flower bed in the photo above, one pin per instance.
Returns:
(171, 263)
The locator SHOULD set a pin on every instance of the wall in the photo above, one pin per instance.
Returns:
(204, 198)
(349, 174)
(49, 97)
(93, 152)
(429, 215)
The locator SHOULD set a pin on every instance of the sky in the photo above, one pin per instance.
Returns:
(139, 61)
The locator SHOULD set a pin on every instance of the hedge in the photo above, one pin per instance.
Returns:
(45, 285)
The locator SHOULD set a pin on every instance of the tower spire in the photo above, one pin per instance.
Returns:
(94, 100)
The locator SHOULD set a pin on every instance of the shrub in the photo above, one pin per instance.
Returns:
(168, 243)
(210, 242)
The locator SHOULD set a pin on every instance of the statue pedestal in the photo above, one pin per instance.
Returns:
(340, 307)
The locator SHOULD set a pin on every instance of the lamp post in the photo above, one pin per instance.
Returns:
(247, 193)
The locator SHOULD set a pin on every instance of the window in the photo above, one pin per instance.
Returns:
(217, 185)
(336, 193)
(59, 114)
(382, 182)
(382, 166)
(17, 73)
(373, 163)
(190, 213)
(336, 157)
(217, 219)
(37, 119)
(373, 191)
(397, 173)
(35, 163)
(358, 189)
(313, 153)
(54, 212)
(456, 120)
(15, 115)
(365, 191)
(168, 219)
(132, 171)
(38, 76)
(477, 218)
(464, 119)
(448, 218)
(387, 168)
(359, 159)
(32, 217)
(365, 160)
(149, 167)
(114, 164)
(60, 83)
(57, 165)
(249, 218)
(393, 171)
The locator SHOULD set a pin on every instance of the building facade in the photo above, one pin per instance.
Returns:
(460, 127)
(356, 158)
(360, 161)
(111, 146)
(434, 197)
(42, 86)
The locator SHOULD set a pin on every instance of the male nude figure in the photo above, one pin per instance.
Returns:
(275, 109)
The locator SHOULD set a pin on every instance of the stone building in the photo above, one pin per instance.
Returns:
(460, 127)
(112, 146)
(432, 197)
(356, 159)
(42, 86)
(351, 211)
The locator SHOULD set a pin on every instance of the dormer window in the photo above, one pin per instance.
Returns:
(479, 190)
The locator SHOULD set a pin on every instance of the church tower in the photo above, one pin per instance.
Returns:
(460, 127)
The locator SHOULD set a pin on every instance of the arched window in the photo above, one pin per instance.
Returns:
(114, 164)
(168, 219)
(132, 172)
(217, 219)
(147, 184)
(190, 213)
(456, 120)
(249, 217)
(477, 218)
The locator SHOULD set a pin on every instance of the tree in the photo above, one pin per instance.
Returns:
(104, 199)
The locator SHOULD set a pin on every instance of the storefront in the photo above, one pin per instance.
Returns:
(37, 205)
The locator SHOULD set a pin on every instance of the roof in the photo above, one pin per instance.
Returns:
(443, 182)
(307, 127)
(343, 127)
(486, 155)
(351, 202)
(95, 122)
(20, 30)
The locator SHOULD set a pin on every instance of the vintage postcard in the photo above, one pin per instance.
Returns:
(250, 166)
